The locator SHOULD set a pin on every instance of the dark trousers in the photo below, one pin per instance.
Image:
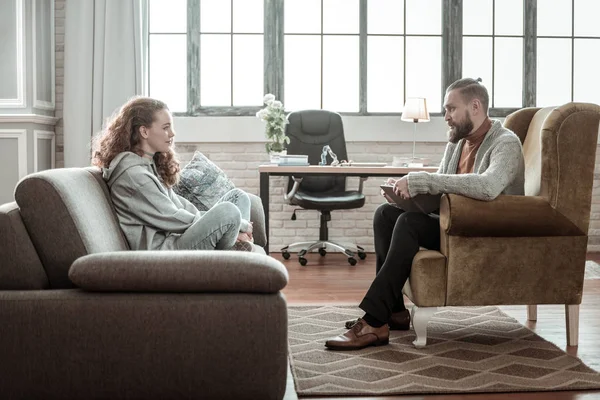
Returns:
(398, 235)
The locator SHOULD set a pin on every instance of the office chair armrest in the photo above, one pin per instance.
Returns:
(290, 196)
(360, 183)
(506, 216)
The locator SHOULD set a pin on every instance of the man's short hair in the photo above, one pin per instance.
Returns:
(471, 89)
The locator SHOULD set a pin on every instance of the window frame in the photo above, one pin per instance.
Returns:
(273, 64)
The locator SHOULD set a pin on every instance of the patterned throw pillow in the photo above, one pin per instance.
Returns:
(202, 182)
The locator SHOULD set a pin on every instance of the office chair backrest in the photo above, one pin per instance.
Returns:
(309, 131)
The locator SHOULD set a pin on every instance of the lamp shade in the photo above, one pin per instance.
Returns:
(415, 110)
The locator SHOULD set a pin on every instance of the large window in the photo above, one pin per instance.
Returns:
(321, 67)
(230, 48)
(352, 56)
(493, 48)
(404, 53)
(365, 57)
(167, 55)
(568, 44)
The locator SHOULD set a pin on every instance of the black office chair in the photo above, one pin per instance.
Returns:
(309, 131)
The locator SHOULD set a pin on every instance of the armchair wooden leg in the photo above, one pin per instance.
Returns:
(572, 319)
(532, 312)
(420, 316)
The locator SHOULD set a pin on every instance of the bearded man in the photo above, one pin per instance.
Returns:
(482, 160)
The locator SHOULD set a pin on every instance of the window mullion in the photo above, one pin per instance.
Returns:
(273, 57)
(193, 55)
(452, 28)
(572, 50)
(529, 52)
(362, 95)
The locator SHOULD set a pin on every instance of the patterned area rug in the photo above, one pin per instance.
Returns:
(469, 350)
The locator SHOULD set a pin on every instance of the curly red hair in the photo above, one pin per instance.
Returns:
(122, 133)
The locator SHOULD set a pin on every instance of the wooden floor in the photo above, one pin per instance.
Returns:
(332, 280)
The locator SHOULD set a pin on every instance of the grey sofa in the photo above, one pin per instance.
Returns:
(84, 317)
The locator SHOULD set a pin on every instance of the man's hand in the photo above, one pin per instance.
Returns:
(401, 188)
(390, 181)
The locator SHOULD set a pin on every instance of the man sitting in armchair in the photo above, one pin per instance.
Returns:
(482, 160)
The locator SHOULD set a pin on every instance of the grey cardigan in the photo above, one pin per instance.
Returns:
(499, 169)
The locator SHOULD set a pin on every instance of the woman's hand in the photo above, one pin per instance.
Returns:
(245, 236)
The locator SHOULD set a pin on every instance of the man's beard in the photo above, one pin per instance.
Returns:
(460, 130)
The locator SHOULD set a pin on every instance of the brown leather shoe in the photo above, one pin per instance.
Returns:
(399, 321)
(360, 336)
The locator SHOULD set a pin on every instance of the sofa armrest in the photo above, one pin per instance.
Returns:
(179, 271)
(506, 216)
(257, 216)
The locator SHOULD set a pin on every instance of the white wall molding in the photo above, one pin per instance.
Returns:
(21, 136)
(37, 103)
(28, 118)
(20, 101)
(45, 135)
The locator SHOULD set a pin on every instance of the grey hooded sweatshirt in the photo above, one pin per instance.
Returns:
(151, 215)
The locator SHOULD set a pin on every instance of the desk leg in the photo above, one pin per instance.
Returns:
(264, 197)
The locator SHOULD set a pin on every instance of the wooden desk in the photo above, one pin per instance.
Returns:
(266, 171)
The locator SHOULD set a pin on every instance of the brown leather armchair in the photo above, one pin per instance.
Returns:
(525, 250)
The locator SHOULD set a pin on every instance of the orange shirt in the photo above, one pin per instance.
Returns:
(470, 147)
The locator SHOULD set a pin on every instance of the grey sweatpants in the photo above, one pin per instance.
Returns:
(218, 228)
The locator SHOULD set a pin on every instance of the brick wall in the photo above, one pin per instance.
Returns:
(347, 225)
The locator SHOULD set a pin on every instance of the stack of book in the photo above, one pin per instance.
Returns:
(293, 159)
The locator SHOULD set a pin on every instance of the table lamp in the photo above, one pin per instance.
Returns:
(415, 110)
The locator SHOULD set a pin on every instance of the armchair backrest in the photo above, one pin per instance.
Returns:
(68, 214)
(559, 146)
(309, 131)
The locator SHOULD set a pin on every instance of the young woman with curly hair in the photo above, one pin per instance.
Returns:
(135, 152)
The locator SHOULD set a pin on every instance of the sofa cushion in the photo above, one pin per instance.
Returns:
(202, 182)
(20, 266)
(68, 214)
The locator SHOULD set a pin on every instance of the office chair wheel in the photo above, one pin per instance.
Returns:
(303, 261)
(322, 251)
(285, 255)
(362, 255)
(352, 261)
